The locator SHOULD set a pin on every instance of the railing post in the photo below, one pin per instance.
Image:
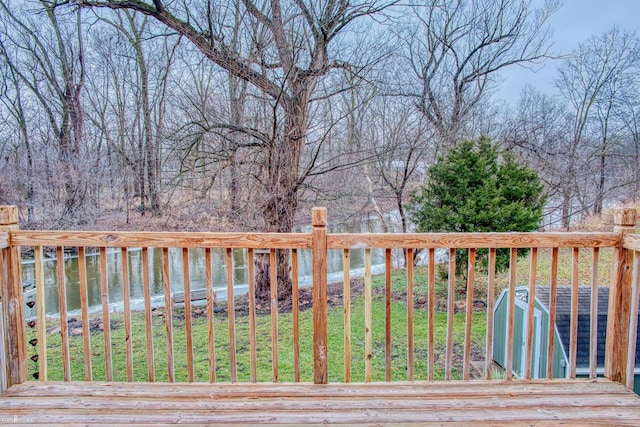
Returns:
(619, 299)
(15, 351)
(319, 249)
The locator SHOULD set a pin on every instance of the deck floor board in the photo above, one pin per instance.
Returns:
(557, 402)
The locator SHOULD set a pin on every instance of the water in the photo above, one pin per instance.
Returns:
(196, 273)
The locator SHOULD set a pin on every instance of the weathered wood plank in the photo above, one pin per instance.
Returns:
(533, 265)
(273, 287)
(319, 295)
(368, 318)
(126, 301)
(388, 267)
(106, 321)
(410, 295)
(470, 240)
(231, 318)
(211, 335)
(551, 338)
(397, 389)
(148, 325)
(62, 309)
(5, 239)
(84, 308)
(511, 312)
(253, 358)
(42, 314)
(346, 300)
(186, 283)
(631, 241)
(302, 240)
(619, 300)
(431, 300)
(118, 239)
(633, 322)
(448, 364)
(295, 314)
(593, 321)
(168, 314)
(573, 321)
(471, 271)
(491, 287)
(456, 403)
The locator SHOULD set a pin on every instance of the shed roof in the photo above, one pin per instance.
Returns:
(563, 320)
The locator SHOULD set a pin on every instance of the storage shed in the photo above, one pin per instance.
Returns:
(562, 332)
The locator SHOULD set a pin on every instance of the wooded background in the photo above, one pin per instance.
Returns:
(242, 114)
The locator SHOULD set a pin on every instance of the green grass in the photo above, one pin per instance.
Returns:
(335, 333)
(264, 363)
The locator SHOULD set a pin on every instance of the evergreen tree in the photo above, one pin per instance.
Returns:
(478, 188)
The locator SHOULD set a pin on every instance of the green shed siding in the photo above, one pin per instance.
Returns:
(500, 339)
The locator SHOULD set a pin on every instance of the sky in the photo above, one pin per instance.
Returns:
(573, 23)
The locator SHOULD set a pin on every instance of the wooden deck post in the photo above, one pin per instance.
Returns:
(15, 355)
(319, 249)
(619, 299)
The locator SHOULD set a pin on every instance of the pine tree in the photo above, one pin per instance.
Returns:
(478, 188)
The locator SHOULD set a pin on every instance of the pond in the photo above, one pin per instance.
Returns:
(196, 272)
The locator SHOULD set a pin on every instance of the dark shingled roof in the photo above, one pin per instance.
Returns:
(563, 320)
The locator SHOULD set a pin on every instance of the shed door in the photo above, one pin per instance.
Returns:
(520, 340)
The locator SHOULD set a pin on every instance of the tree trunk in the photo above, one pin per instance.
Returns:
(282, 189)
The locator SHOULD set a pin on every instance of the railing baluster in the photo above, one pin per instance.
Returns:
(42, 317)
(186, 281)
(273, 285)
(319, 295)
(168, 313)
(533, 265)
(106, 321)
(410, 341)
(252, 316)
(450, 311)
(84, 308)
(553, 289)
(469, 315)
(491, 287)
(512, 312)
(431, 297)
(387, 314)
(62, 304)
(126, 301)
(573, 341)
(593, 324)
(368, 334)
(231, 318)
(633, 321)
(148, 325)
(346, 285)
(295, 313)
(211, 337)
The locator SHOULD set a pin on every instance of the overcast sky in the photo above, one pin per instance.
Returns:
(573, 23)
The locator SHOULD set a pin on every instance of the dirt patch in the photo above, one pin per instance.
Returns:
(305, 301)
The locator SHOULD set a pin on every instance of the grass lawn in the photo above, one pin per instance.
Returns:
(335, 333)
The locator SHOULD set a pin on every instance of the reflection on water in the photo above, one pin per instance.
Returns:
(196, 273)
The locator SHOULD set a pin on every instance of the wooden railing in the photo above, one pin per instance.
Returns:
(622, 315)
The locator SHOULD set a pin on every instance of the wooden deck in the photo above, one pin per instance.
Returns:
(557, 402)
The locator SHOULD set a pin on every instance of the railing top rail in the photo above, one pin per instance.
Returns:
(631, 241)
(473, 240)
(118, 239)
(4, 240)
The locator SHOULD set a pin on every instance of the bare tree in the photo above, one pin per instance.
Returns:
(538, 130)
(47, 56)
(454, 50)
(591, 80)
(286, 69)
